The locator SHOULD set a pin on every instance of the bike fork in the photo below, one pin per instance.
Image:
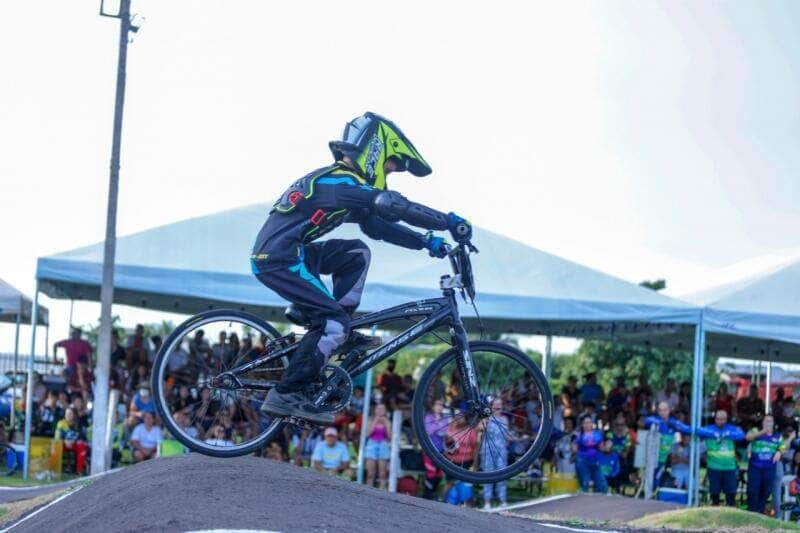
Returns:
(466, 366)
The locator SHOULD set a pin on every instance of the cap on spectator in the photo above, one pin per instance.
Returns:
(331, 431)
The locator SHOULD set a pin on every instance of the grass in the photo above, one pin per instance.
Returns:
(17, 481)
(713, 519)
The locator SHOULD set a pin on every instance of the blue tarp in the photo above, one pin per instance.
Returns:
(203, 262)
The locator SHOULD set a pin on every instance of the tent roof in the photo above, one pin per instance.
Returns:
(758, 315)
(203, 262)
(13, 303)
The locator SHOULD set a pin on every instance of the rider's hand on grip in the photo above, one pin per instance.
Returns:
(459, 227)
(436, 246)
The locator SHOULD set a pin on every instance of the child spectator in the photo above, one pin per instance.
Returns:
(494, 451)
(73, 436)
(436, 427)
(679, 459)
(609, 463)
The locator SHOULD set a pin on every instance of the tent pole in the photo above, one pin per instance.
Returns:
(71, 305)
(362, 438)
(697, 410)
(547, 360)
(16, 362)
(29, 392)
(46, 343)
(768, 393)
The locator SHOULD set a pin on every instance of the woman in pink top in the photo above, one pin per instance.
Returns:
(376, 450)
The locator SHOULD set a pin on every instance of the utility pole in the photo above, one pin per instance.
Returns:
(100, 459)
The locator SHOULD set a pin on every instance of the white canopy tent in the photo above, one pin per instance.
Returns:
(17, 308)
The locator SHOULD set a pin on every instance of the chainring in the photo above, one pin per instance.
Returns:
(336, 389)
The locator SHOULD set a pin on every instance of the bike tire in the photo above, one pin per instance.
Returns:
(158, 390)
(418, 414)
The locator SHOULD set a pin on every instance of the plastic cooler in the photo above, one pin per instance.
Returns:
(673, 495)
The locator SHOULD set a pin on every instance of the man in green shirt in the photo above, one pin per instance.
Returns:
(720, 455)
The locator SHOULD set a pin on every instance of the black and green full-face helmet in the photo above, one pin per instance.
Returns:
(370, 140)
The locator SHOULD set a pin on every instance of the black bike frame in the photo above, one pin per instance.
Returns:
(434, 312)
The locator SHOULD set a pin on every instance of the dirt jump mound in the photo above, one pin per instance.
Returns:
(202, 493)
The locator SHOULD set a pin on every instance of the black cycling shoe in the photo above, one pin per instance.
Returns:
(295, 404)
(358, 341)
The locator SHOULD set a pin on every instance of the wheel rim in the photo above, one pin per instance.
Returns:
(215, 417)
(494, 436)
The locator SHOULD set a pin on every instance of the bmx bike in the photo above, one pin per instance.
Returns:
(482, 410)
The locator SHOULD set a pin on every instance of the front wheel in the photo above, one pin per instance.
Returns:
(494, 437)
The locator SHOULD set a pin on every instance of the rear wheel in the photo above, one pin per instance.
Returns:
(202, 409)
(496, 437)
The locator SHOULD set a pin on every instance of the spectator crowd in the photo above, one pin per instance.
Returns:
(746, 451)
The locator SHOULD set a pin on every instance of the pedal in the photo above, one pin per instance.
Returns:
(302, 423)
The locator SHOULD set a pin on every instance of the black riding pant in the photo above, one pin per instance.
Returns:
(347, 262)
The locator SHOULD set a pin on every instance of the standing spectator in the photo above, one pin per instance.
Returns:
(750, 408)
(591, 391)
(156, 342)
(587, 447)
(619, 396)
(137, 352)
(724, 401)
(642, 397)
(783, 467)
(668, 394)
(220, 351)
(78, 366)
(622, 441)
(720, 454)
(330, 455)
(436, 427)
(494, 451)
(178, 357)
(565, 455)
(666, 427)
(390, 383)
(766, 446)
(376, 451)
(73, 436)
(145, 439)
(198, 346)
(679, 461)
(570, 397)
(685, 397)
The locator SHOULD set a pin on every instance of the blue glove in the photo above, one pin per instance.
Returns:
(460, 228)
(437, 246)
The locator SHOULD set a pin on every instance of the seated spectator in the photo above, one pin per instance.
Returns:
(669, 395)
(331, 455)
(184, 423)
(73, 437)
(218, 436)
(183, 401)
(49, 415)
(750, 408)
(587, 448)
(146, 438)
(724, 401)
(590, 410)
(619, 396)
(390, 383)
(642, 397)
(137, 351)
(142, 403)
(81, 412)
(139, 376)
(178, 358)
(376, 451)
(591, 391)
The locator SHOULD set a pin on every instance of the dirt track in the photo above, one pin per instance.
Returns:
(197, 492)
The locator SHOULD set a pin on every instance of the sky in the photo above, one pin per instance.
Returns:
(644, 139)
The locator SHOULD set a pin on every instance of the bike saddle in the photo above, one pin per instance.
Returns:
(294, 315)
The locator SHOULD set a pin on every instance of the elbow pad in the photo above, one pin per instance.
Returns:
(393, 206)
